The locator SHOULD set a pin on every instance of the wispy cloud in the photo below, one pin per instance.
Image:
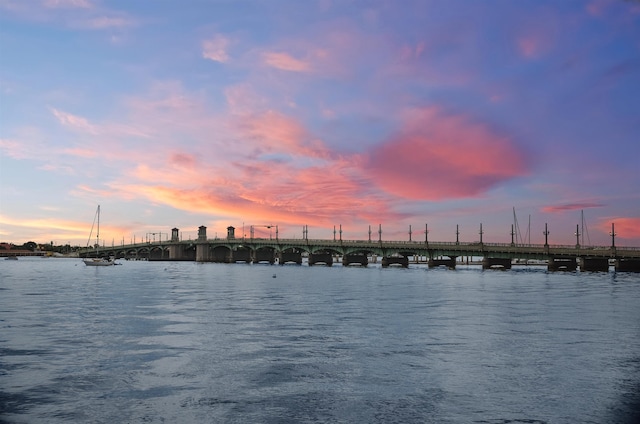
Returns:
(105, 22)
(73, 122)
(285, 62)
(572, 207)
(216, 48)
(75, 14)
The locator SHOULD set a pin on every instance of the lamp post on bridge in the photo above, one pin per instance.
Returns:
(546, 236)
(577, 234)
(252, 231)
(481, 233)
(409, 232)
(426, 235)
(457, 235)
(369, 233)
(154, 237)
(380, 233)
(613, 236)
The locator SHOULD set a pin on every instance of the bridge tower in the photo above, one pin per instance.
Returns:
(202, 233)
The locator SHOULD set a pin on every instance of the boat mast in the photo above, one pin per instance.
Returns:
(98, 232)
(517, 227)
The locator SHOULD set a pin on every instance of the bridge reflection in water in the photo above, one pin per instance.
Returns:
(360, 252)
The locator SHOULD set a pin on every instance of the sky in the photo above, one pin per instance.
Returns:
(381, 114)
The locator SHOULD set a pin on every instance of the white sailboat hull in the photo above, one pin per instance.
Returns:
(98, 262)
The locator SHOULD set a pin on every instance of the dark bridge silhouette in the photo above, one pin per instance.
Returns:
(360, 252)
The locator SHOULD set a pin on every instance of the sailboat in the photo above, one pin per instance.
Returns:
(97, 261)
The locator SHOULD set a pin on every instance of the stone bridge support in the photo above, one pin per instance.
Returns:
(488, 263)
(562, 264)
(158, 254)
(202, 252)
(320, 258)
(176, 252)
(403, 261)
(594, 264)
(628, 265)
(241, 255)
(448, 262)
(263, 255)
(287, 257)
(355, 258)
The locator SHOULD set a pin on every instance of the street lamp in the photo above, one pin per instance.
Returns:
(546, 235)
(613, 236)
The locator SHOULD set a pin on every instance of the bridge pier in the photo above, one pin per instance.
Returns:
(594, 264)
(627, 265)
(488, 263)
(285, 257)
(263, 255)
(395, 260)
(449, 262)
(355, 258)
(202, 252)
(241, 255)
(320, 258)
(176, 252)
(562, 264)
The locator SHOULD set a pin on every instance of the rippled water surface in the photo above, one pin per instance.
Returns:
(169, 342)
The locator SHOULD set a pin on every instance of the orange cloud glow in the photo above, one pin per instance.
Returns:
(59, 229)
(440, 156)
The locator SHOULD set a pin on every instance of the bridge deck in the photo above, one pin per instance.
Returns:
(384, 248)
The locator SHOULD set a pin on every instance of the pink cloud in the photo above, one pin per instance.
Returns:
(571, 207)
(73, 121)
(285, 62)
(182, 160)
(528, 46)
(81, 152)
(273, 132)
(438, 156)
(259, 191)
(625, 227)
(12, 148)
(533, 43)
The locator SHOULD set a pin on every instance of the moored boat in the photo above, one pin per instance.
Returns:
(97, 261)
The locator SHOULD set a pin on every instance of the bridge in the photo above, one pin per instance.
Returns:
(361, 252)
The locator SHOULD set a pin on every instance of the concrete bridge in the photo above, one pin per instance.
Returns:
(360, 252)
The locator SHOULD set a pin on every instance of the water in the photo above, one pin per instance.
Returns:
(169, 342)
